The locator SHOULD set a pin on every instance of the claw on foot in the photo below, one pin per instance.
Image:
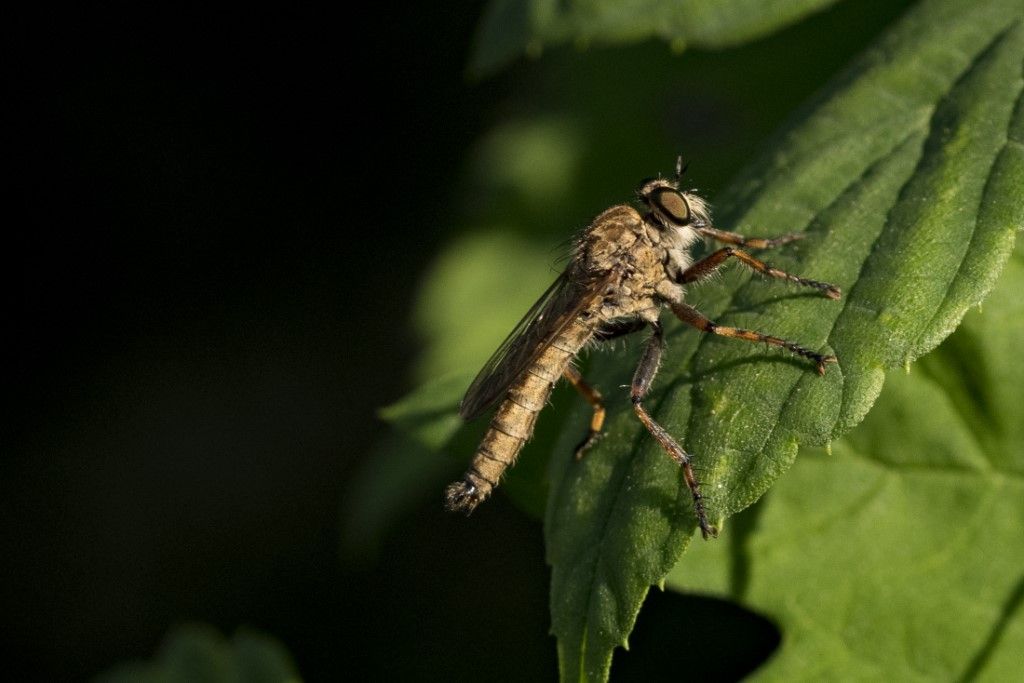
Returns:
(585, 445)
(822, 363)
(708, 531)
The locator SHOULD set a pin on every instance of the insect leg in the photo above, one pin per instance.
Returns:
(752, 242)
(590, 393)
(705, 267)
(594, 398)
(642, 380)
(691, 316)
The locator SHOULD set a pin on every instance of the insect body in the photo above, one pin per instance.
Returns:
(625, 268)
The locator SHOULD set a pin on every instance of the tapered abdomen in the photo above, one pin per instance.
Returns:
(513, 422)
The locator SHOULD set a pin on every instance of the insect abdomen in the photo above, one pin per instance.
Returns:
(514, 420)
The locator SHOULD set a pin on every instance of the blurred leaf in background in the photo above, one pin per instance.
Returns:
(905, 173)
(197, 653)
(511, 28)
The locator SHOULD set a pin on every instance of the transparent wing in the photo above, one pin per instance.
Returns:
(557, 307)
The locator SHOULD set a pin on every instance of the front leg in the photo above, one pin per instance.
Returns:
(705, 267)
(752, 242)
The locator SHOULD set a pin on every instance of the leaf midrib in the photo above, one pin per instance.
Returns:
(635, 451)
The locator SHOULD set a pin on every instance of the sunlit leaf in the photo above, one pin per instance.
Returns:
(906, 175)
(199, 654)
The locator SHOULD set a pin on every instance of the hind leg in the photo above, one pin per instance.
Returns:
(642, 380)
(590, 393)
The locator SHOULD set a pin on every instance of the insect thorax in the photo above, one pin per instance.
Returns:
(648, 257)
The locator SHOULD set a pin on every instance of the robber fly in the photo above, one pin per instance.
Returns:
(624, 268)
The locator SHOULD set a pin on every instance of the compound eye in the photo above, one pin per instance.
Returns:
(671, 206)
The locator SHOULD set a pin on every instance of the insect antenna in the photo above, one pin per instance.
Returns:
(680, 168)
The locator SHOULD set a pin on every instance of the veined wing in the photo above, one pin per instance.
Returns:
(564, 300)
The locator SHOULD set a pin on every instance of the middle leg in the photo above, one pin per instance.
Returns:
(691, 316)
(705, 267)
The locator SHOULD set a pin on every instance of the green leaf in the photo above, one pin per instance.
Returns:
(510, 28)
(906, 175)
(197, 653)
(900, 555)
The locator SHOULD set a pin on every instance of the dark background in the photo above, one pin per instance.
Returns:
(217, 221)
(220, 217)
